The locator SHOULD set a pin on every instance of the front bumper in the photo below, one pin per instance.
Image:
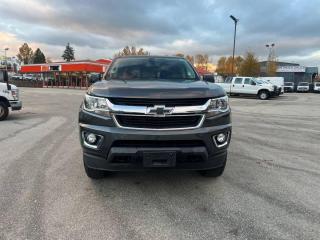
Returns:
(15, 105)
(302, 89)
(273, 93)
(288, 89)
(123, 149)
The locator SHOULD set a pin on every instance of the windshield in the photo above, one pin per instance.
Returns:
(288, 84)
(303, 84)
(149, 68)
(259, 81)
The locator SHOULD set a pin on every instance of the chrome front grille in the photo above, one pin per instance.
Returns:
(159, 114)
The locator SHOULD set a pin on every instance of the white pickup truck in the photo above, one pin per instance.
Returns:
(316, 87)
(9, 96)
(278, 81)
(248, 86)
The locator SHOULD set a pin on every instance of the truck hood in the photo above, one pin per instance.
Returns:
(4, 86)
(13, 87)
(156, 89)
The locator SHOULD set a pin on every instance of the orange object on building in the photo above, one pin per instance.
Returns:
(104, 61)
(98, 66)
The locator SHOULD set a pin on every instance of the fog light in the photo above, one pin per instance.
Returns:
(91, 138)
(221, 138)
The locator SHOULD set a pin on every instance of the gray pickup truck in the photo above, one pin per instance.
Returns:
(151, 112)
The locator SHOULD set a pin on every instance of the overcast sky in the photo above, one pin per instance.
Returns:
(100, 28)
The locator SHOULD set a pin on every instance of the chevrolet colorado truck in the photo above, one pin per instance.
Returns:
(9, 96)
(151, 112)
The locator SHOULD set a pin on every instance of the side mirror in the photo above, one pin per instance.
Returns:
(95, 78)
(6, 79)
(253, 83)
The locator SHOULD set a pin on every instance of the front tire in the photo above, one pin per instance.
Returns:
(263, 95)
(216, 172)
(4, 111)
(94, 173)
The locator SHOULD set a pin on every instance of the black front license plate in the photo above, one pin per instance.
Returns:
(159, 159)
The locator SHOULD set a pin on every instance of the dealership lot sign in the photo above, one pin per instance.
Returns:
(291, 69)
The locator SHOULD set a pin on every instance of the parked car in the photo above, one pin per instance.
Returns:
(29, 77)
(249, 86)
(16, 77)
(289, 87)
(154, 113)
(316, 87)
(303, 87)
(278, 81)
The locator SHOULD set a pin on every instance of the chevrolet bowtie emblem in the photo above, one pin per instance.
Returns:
(159, 110)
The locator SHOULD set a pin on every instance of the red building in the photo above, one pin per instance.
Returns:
(67, 74)
(86, 66)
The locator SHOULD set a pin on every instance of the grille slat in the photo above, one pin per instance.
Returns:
(158, 122)
(152, 102)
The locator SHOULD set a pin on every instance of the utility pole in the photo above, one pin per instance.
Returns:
(234, 41)
(5, 57)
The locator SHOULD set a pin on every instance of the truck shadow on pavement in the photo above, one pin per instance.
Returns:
(21, 116)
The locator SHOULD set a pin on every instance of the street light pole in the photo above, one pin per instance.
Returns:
(234, 40)
(270, 56)
(5, 58)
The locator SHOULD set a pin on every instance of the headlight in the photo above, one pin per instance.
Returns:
(15, 94)
(219, 104)
(96, 104)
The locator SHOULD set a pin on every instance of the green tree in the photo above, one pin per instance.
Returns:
(25, 54)
(39, 57)
(68, 53)
(128, 51)
(250, 66)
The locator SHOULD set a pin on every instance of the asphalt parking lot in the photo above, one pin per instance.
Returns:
(270, 189)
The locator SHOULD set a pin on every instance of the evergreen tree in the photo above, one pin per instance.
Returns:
(39, 57)
(68, 53)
